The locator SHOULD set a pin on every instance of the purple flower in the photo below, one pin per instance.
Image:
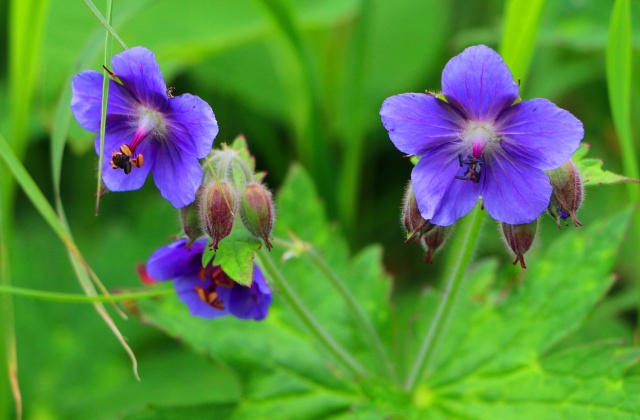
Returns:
(208, 292)
(479, 142)
(147, 128)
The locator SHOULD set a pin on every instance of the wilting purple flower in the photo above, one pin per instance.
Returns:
(147, 128)
(208, 292)
(479, 142)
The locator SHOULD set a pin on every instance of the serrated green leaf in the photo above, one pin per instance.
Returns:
(235, 254)
(496, 360)
(208, 254)
(592, 172)
(283, 371)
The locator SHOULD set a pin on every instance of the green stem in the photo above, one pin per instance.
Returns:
(105, 103)
(360, 316)
(462, 247)
(104, 22)
(76, 298)
(269, 268)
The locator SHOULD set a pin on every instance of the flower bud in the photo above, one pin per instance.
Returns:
(519, 238)
(257, 211)
(567, 192)
(414, 224)
(190, 220)
(218, 206)
(434, 239)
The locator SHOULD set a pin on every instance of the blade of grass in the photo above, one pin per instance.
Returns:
(105, 102)
(75, 298)
(619, 71)
(26, 25)
(520, 31)
(619, 87)
(104, 22)
(82, 269)
(8, 323)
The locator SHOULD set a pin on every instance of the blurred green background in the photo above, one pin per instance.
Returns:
(302, 86)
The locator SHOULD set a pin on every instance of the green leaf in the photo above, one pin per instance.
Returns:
(284, 373)
(208, 254)
(592, 172)
(221, 411)
(619, 85)
(497, 359)
(235, 254)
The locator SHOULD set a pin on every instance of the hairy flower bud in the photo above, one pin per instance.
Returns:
(434, 239)
(218, 206)
(190, 220)
(568, 192)
(519, 238)
(414, 224)
(257, 211)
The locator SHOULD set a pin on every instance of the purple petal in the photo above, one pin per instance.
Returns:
(115, 179)
(192, 124)
(186, 291)
(540, 134)
(86, 99)
(177, 175)
(138, 69)
(441, 197)
(175, 260)
(251, 302)
(513, 192)
(417, 122)
(478, 82)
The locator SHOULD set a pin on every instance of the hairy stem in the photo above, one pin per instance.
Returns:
(360, 316)
(271, 271)
(463, 247)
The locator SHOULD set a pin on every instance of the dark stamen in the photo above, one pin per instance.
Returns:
(474, 169)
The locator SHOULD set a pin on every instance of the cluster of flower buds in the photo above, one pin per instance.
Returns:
(230, 186)
(420, 230)
(566, 198)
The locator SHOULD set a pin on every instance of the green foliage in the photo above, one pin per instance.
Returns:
(497, 357)
(235, 253)
(592, 172)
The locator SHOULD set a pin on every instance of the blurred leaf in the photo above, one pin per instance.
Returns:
(283, 372)
(592, 172)
(235, 254)
(496, 360)
(220, 411)
(521, 24)
(619, 85)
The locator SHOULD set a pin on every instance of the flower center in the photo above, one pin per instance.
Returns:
(477, 137)
(209, 294)
(149, 121)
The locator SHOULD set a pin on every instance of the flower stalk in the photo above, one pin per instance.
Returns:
(360, 317)
(463, 246)
(266, 264)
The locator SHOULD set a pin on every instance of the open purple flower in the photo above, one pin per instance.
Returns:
(208, 292)
(479, 142)
(147, 128)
